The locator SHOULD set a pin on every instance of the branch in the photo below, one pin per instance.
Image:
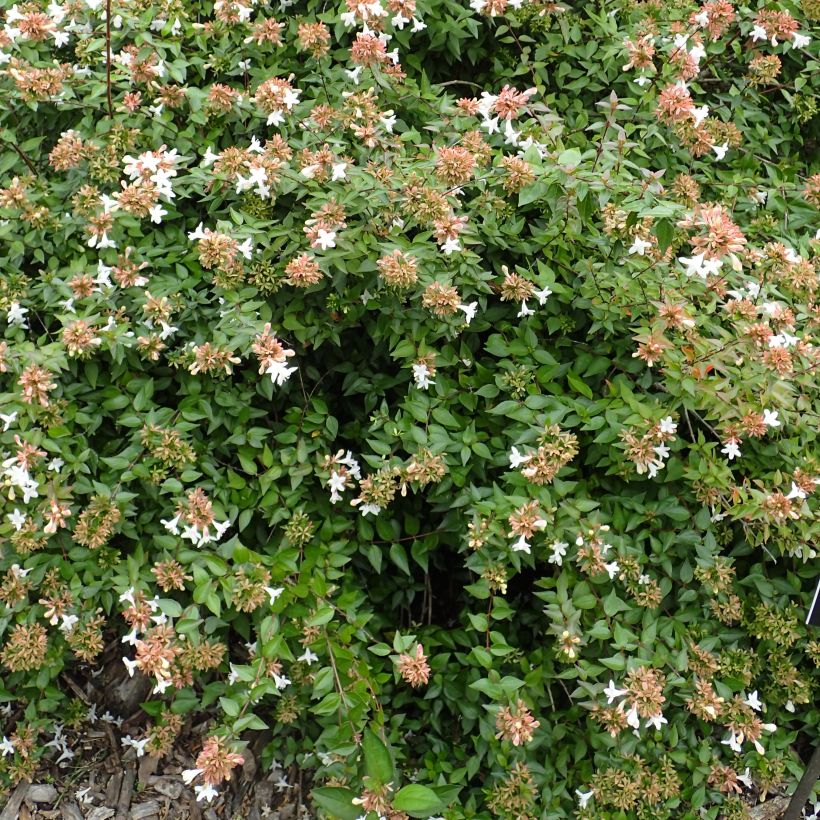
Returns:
(23, 156)
(108, 58)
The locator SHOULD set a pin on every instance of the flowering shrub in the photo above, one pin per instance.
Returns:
(430, 385)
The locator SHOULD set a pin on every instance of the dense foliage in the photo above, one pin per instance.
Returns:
(431, 386)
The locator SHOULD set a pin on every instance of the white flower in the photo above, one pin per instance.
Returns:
(161, 685)
(281, 681)
(210, 157)
(720, 150)
(189, 775)
(246, 248)
(367, 509)
(418, 25)
(192, 533)
(336, 483)
(759, 33)
(291, 97)
(656, 720)
(632, 717)
(770, 418)
(491, 124)
(167, 330)
(172, 525)
(796, 492)
(157, 212)
(693, 265)
(421, 375)
(130, 666)
(667, 425)
(16, 315)
(521, 545)
(559, 550)
(640, 246)
(517, 458)
(510, 134)
(697, 53)
(525, 311)
(733, 742)
(469, 311)
(584, 797)
(273, 594)
(197, 234)
(613, 692)
(325, 239)
(731, 450)
(700, 114)
(800, 40)
(308, 657)
(542, 295)
(753, 701)
(388, 119)
(84, 797)
(339, 171)
(279, 372)
(6, 746)
(746, 778)
(205, 791)
(612, 568)
(450, 245)
(17, 519)
(8, 420)
(130, 638)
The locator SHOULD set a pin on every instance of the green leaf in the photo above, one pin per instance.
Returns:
(578, 384)
(665, 232)
(417, 800)
(570, 158)
(377, 760)
(338, 802)
(613, 604)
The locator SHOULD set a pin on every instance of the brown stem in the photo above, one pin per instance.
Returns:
(804, 787)
(108, 58)
(23, 156)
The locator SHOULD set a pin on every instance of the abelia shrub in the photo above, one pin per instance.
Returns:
(429, 386)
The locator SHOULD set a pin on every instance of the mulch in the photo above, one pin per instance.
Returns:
(105, 780)
(103, 787)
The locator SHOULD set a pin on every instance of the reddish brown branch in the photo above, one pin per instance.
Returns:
(108, 58)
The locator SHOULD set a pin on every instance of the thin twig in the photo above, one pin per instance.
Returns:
(23, 156)
(108, 58)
